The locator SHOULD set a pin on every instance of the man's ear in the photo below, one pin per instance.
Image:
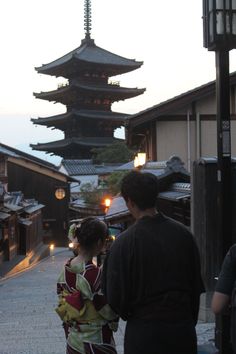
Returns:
(129, 203)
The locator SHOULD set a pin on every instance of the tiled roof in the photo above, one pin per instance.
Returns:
(15, 202)
(128, 166)
(177, 102)
(82, 141)
(10, 151)
(4, 216)
(90, 53)
(158, 168)
(91, 114)
(177, 191)
(117, 208)
(32, 208)
(161, 169)
(79, 167)
(106, 168)
(86, 167)
(64, 93)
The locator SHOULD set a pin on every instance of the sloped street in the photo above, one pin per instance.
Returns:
(28, 322)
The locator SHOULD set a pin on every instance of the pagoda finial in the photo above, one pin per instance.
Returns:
(87, 18)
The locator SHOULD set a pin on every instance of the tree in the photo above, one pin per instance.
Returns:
(114, 181)
(90, 194)
(115, 153)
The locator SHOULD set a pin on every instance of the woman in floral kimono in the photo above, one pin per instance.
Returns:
(87, 318)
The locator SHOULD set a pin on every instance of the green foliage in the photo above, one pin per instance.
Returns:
(115, 153)
(114, 181)
(93, 195)
(90, 194)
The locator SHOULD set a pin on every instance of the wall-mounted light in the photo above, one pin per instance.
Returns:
(140, 159)
(60, 193)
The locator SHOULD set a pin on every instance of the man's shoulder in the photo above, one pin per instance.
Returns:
(125, 236)
(232, 253)
(177, 224)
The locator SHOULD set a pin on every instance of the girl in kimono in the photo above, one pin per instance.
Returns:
(88, 320)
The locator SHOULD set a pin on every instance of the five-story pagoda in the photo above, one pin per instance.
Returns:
(88, 95)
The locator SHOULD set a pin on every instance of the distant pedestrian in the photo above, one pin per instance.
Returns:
(152, 275)
(224, 297)
(87, 318)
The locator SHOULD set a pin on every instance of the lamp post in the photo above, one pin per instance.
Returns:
(219, 27)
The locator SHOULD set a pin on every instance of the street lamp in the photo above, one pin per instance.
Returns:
(219, 29)
(140, 159)
(219, 24)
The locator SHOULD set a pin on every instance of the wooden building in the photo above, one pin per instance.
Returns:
(41, 180)
(188, 121)
(21, 229)
(88, 94)
(173, 199)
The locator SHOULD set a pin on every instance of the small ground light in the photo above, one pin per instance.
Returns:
(51, 247)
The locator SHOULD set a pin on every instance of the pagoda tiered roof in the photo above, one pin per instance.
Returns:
(89, 57)
(71, 93)
(65, 146)
(88, 96)
(98, 115)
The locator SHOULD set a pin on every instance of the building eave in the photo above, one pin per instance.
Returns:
(77, 114)
(175, 103)
(88, 54)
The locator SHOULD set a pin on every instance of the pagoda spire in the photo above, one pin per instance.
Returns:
(87, 18)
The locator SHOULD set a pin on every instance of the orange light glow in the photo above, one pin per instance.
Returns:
(107, 202)
(60, 193)
(140, 159)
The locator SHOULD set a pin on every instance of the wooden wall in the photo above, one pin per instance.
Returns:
(42, 188)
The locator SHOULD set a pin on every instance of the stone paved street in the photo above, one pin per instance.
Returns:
(28, 322)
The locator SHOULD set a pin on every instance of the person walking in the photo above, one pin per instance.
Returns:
(152, 275)
(88, 320)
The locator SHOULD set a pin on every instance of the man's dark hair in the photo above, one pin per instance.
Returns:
(140, 188)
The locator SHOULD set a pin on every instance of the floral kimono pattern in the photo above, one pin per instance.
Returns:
(88, 320)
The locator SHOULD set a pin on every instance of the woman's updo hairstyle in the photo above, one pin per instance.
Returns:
(90, 231)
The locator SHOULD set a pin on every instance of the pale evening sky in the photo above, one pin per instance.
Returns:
(165, 35)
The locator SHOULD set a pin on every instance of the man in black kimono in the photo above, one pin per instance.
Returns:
(152, 276)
